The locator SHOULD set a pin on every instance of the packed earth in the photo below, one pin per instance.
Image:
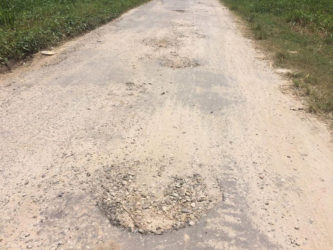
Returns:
(164, 129)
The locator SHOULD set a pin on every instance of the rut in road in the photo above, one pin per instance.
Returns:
(164, 129)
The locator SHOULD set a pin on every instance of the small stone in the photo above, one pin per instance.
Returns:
(193, 204)
(47, 53)
(186, 211)
(191, 223)
(159, 232)
(296, 228)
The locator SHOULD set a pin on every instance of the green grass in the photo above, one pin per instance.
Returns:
(27, 26)
(299, 35)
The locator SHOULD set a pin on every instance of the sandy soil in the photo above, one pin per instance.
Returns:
(164, 129)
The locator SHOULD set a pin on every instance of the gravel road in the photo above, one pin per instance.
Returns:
(165, 129)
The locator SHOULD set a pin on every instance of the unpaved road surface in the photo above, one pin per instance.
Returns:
(164, 129)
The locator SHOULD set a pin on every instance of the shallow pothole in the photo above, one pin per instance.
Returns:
(177, 62)
(164, 42)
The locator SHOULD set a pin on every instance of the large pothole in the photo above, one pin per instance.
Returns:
(134, 206)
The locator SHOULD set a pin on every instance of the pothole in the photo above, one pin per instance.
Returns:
(166, 42)
(177, 62)
(133, 206)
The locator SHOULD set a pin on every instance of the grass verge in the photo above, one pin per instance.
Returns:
(31, 25)
(299, 35)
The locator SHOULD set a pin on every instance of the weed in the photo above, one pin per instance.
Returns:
(7, 13)
(280, 58)
(259, 32)
(297, 83)
(312, 108)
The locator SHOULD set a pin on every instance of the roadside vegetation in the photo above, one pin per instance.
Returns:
(27, 26)
(299, 35)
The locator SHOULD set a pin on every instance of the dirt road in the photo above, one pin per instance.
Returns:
(164, 129)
